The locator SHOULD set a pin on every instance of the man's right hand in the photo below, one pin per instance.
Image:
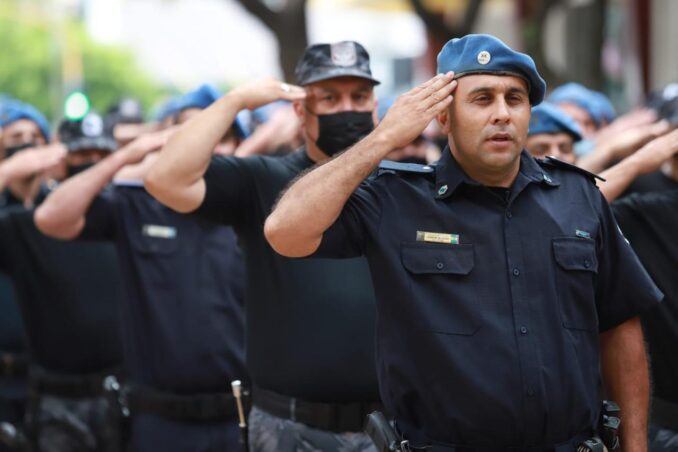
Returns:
(138, 149)
(261, 92)
(413, 111)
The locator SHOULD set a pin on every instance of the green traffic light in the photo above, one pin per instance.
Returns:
(76, 106)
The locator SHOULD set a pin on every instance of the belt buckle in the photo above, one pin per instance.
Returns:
(405, 446)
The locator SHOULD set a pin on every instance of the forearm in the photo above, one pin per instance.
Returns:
(176, 178)
(313, 203)
(618, 178)
(62, 214)
(627, 382)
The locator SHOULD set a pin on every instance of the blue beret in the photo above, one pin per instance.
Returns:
(167, 109)
(603, 107)
(14, 110)
(547, 118)
(579, 95)
(204, 96)
(485, 54)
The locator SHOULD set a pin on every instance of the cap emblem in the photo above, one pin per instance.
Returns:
(484, 57)
(344, 54)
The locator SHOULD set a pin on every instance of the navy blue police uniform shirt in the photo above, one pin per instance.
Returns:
(310, 323)
(183, 314)
(490, 304)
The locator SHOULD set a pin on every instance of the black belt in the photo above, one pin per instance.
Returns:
(566, 446)
(72, 386)
(333, 417)
(194, 407)
(13, 365)
(665, 413)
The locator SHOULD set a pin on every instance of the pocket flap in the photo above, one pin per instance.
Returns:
(422, 258)
(574, 253)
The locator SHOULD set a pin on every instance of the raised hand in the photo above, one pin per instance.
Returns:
(32, 162)
(261, 92)
(413, 111)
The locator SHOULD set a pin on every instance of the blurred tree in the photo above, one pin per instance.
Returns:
(287, 20)
(33, 61)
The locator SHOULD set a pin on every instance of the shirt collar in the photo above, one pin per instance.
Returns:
(450, 175)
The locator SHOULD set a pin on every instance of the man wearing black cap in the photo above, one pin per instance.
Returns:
(505, 291)
(310, 325)
(69, 296)
(183, 313)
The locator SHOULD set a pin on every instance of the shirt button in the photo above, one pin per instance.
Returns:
(523, 329)
(587, 264)
(516, 272)
(440, 265)
(509, 214)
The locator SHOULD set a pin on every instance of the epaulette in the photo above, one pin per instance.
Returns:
(389, 166)
(557, 163)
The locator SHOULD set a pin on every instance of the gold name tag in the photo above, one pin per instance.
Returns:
(437, 237)
(161, 232)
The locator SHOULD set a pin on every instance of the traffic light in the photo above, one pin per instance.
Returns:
(76, 106)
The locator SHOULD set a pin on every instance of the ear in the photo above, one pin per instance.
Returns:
(300, 111)
(444, 121)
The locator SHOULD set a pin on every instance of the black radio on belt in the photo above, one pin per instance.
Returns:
(608, 429)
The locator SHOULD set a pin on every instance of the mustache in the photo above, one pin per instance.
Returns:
(502, 131)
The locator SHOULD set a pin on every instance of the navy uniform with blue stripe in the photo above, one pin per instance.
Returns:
(490, 300)
(183, 319)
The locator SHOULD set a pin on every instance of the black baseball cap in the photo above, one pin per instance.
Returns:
(90, 132)
(327, 61)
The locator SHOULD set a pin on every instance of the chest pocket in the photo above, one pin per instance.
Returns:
(575, 272)
(442, 297)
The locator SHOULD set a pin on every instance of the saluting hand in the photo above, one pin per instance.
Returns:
(261, 92)
(138, 149)
(32, 162)
(413, 111)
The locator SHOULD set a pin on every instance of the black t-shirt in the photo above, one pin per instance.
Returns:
(183, 314)
(310, 322)
(652, 182)
(68, 294)
(649, 222)
(11, 328)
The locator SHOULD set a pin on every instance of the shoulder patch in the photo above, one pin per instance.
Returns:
(389, 166)
(557, 163)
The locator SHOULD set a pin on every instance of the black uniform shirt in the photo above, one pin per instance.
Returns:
(182, 305)
(650, 221)
(310, 323)
(11, 329)
(68, 293)
(489, 304)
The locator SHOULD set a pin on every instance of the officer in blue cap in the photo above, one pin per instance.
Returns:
(590, 109)
(503, 284)
(22, 126)
(552, 132)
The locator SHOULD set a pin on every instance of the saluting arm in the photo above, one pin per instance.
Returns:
(176, 179)
(62, 214)
(313, 203)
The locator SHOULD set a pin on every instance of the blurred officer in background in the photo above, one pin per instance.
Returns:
(552, 133)
(69, 298)
(183, 314)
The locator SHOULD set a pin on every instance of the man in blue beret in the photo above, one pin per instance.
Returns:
(552, 132)
(505, 291)
(21, 126)
(590, 109)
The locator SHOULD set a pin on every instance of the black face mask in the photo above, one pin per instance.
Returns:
(340, 131)
(14, 149)
(72, 170)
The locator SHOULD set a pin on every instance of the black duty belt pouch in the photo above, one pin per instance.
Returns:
(194, 407)
(13, 364)
(333, 417)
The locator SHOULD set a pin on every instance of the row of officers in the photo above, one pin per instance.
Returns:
(486, 303)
